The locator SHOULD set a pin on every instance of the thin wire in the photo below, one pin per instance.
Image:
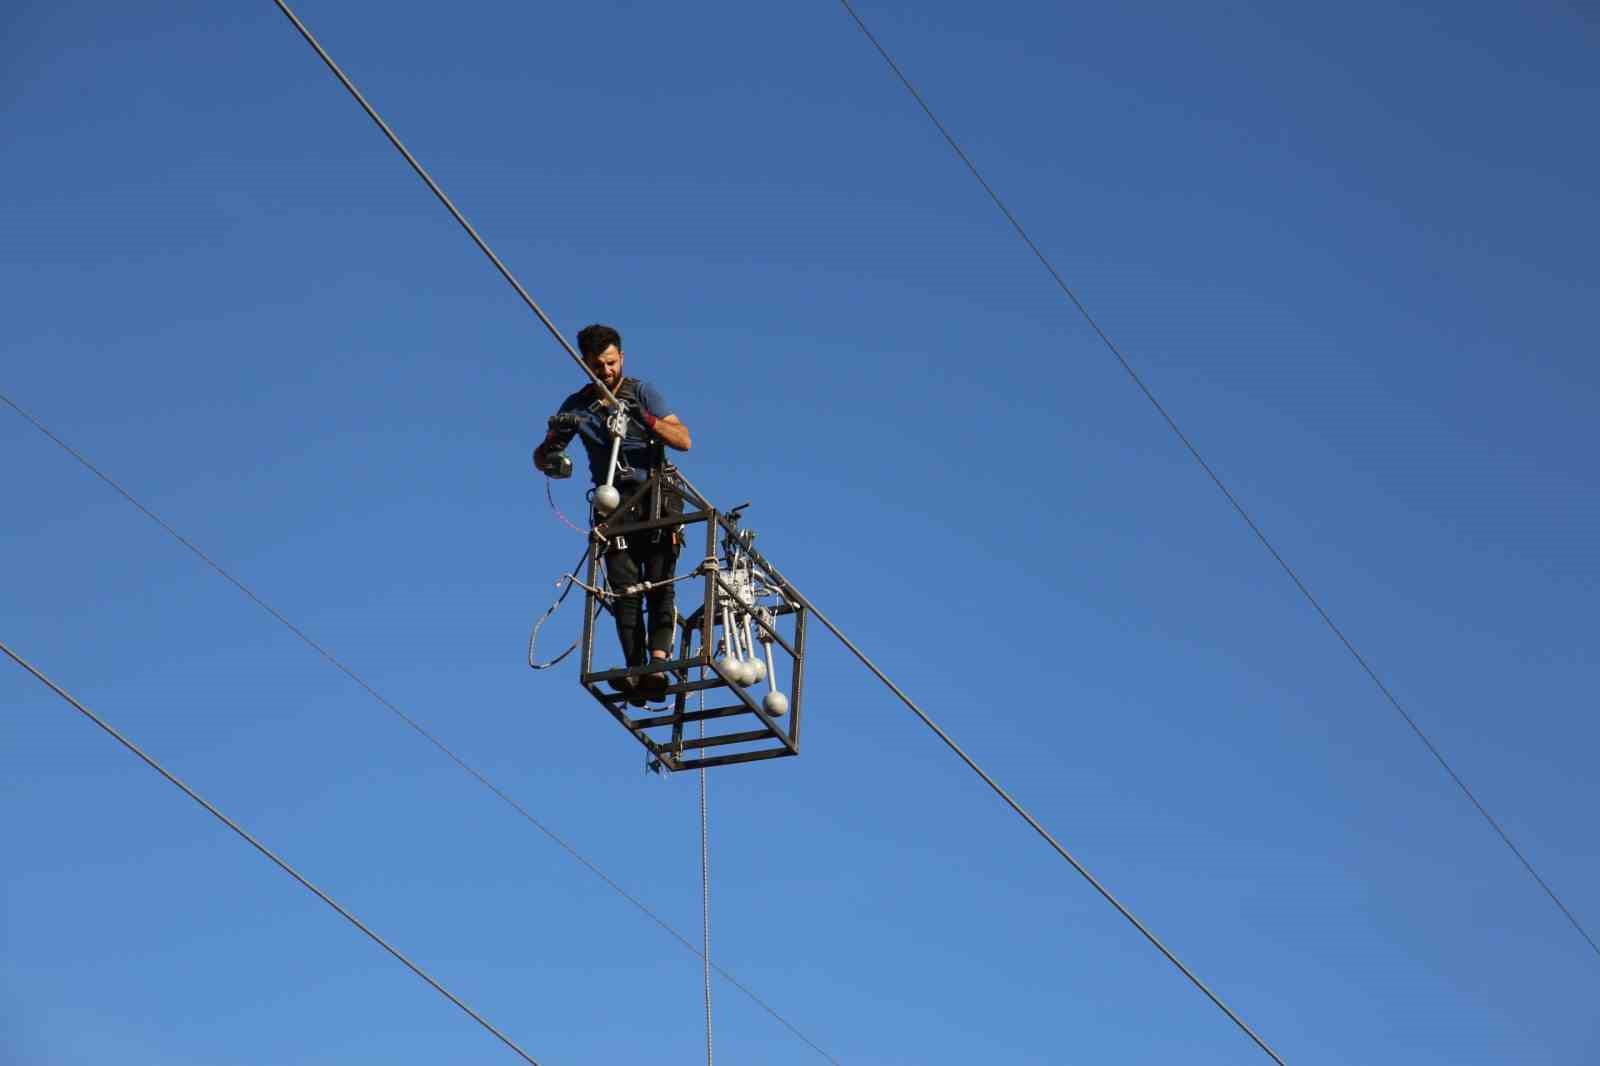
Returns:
(483, 245)
(705, 884)
(263, 849)
(413, 723)
(570, 578)
(560, 513)
(1217, 480)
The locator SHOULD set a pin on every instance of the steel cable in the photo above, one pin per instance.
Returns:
(263, 849)
(705, 883)
(1217, 480)
(433, 186)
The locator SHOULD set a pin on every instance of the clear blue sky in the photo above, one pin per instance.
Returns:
(1351, 248)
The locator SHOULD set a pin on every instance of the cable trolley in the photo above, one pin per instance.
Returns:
(742, 649)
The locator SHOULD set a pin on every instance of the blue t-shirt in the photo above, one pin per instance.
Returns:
(640, 451)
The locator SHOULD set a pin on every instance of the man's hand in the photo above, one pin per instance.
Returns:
(547, 457)
(556, 466)
(565, 422)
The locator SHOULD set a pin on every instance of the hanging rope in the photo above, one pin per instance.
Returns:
(705, 885)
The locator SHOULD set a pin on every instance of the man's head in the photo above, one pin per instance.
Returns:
(601, 347)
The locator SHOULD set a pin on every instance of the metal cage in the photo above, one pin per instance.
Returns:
(737, 581)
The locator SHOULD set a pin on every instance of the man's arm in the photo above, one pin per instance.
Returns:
(562, 430)
(668, 428)
(673, 433)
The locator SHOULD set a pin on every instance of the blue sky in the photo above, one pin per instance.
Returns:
(1350, 249)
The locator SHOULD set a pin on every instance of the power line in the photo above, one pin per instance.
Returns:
(263, 849)
(1212, 474)
(417, 726)
(422, 173)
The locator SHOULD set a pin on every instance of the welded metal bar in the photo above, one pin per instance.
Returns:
(708, 607)
(603, 527)
(645, 525)
(727, 738)
(726, 760)
(655, 666)
(590, 609)
(692, 716)
(798, 677)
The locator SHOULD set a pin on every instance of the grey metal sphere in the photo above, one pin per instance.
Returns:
(776, 704)
(606, 498)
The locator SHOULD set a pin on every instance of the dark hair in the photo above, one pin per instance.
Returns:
(592, 340)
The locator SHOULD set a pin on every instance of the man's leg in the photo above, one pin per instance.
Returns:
(661, 565)
(622, 570)
(658, 561)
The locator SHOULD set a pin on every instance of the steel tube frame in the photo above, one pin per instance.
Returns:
(668, 753)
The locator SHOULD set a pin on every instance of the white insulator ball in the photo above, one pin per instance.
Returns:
(730, 667)
(776, 704)
(758, 671)
(606, 498)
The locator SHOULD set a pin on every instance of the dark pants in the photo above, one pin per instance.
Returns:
(651, 555)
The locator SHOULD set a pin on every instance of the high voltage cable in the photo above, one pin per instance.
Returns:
(1215, 478)
(422, 173)
(263, 849)
(422, 731)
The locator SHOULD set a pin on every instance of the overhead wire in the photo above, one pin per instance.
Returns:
(483, 245)
(421, 730)
(1216, 479)
(263, 849)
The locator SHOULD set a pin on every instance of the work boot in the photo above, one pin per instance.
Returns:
(629, 688)
(652, 687)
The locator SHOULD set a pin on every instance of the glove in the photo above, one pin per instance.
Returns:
(565, 422)
(637, 412)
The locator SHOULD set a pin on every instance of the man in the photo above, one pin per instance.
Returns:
(650, 556)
